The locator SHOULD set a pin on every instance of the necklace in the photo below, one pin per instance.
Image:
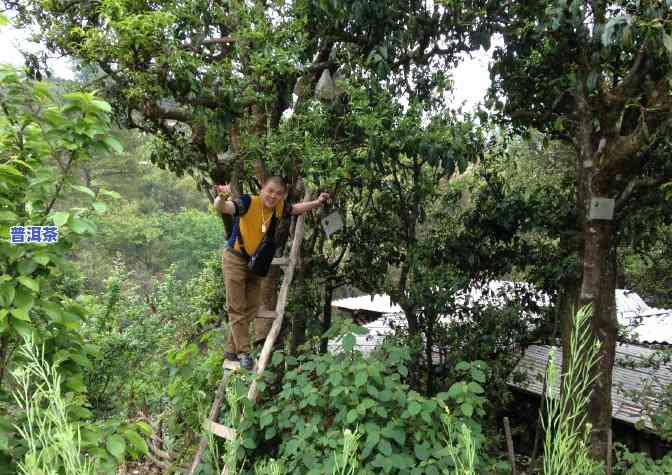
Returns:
(264, 221)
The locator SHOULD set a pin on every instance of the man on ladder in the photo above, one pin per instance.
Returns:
(255, 220)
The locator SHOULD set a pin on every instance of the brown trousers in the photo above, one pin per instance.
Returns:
(243, 298)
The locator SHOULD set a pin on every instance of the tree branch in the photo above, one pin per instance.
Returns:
(637, 186)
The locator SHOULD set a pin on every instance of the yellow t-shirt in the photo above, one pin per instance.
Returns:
(252, 215)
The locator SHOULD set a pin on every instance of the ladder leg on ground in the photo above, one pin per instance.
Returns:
(210, 423)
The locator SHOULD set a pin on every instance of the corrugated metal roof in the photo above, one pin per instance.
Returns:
(652, 327)
(628, 377)
(377, 331)
(645, 324)
(495, 292)
(628, 303)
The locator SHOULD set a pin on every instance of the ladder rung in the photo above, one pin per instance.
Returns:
(270, 314)
(220, 430)
(231, 365)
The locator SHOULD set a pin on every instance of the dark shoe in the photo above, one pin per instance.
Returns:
(230, 356)
(246, 361)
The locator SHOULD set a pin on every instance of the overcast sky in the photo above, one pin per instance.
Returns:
(471, 77)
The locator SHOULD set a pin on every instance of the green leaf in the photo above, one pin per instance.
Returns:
(352, 416)
(145, 428)
(414, 408)
(667, 42)
(455, 390)
(32, 284)
(335, 379)
(116, 445)
(85, 190)
(23, 298)
(475, 388)
(111, 194)
(53, 311)
(399, 436)
(3, 319)
(7, 293)
(20, 313)
(462, 366)
(249, 443)
(359, 330)
(348, 342)
(11, 172)
(41, 258)
(360, 378)
(385, 447)
(26, 266)
(478, 375)
(22, 328)
(60, 218)
(137, 442)
(270, 433)
(99, 207)
(82, 226)
(421, 451)
(467, 409)
(277, 358)
(265, 419)
(113, 144)
(102, 105)
(8, 217)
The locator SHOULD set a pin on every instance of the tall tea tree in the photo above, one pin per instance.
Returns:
(598, 75)
(200, 75)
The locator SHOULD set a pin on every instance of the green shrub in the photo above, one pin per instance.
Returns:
(322, 396)
(630, 463)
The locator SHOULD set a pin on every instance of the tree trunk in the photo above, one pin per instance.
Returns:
(598, 289)
(430, 362)
(298, 336)
(326, 317)
(568, 305)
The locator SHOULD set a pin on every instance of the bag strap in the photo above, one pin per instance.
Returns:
(239, 237)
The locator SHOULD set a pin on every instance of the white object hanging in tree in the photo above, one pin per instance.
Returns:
(325, 89)
(332, 223)
(602, 208)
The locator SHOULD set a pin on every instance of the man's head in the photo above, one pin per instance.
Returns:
(273, 191)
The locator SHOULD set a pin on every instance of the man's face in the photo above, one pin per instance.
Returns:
(271, 194)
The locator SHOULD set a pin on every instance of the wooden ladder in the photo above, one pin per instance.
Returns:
(229, 367)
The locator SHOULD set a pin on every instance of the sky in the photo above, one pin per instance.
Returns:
(471, 77)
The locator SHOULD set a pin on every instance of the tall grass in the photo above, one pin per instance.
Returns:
(346, 462)
(567, 435)
(460, 446)
(269, 467)
(54, 443)
(232, 447)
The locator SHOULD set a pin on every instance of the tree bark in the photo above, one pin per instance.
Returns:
(326, 317)
(598, 289)
(430, 362)
(298, 336)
